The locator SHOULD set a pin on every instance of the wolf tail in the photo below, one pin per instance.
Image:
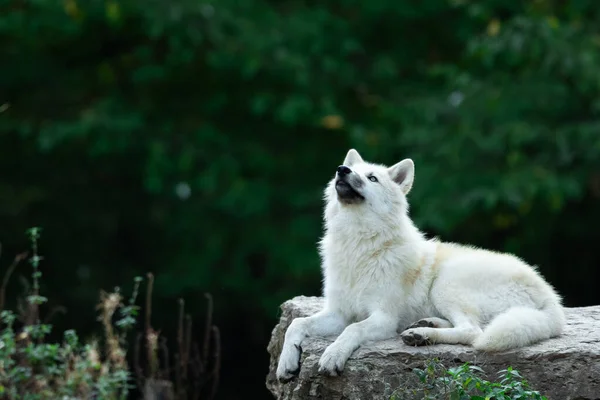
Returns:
(521, 326)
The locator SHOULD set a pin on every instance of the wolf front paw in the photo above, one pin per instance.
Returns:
(415, 337)
(289, 363)
(332, 361)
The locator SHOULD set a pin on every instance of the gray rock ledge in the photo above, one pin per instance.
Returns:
(563, 368)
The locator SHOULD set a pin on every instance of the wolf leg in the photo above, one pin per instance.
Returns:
(323, 323)
(378, 326)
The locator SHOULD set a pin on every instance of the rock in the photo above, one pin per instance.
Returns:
(157, 389)
(563, 368)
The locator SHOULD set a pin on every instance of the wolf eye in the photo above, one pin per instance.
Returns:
(373, 179)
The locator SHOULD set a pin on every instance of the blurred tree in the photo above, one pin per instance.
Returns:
(194, 139)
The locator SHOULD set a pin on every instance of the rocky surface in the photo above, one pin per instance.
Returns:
(564, 368)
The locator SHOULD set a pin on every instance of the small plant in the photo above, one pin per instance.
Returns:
(30, 368)
(465, 383)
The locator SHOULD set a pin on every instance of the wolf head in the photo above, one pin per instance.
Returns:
(369, 190)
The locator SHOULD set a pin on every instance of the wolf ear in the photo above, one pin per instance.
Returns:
(403, 174)
(352, 158)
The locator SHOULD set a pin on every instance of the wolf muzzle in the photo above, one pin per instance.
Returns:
(346, 186)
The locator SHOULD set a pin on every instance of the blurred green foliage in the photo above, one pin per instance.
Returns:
(194, 139)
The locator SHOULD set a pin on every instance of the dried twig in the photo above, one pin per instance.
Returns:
(180, 326)
(187, 343)
(197, 371)
(149, 288)
(180, 354)
(9, 271)
(166, 372)
(139, 373)
(53, 311)
(207, 326)
(217, 361)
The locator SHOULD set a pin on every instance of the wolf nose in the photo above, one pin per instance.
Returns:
(343, 170)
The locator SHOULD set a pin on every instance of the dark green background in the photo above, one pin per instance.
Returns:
(106, 106)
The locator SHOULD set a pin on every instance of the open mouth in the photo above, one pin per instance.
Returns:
(346, 192)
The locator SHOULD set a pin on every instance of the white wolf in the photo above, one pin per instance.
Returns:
(381, 275)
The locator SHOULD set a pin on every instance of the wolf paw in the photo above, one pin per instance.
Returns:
(412, 337)
(423, 323)
(289, 363)
(431, 322)
(332, 361)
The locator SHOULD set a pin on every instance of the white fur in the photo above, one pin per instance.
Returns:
(381, 274)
